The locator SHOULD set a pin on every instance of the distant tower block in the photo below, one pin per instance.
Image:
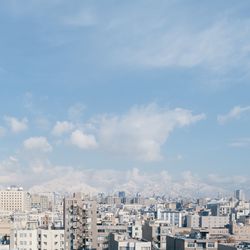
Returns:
(239, 195)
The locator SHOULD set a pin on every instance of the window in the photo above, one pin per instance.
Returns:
(210, 244)
(190, 244)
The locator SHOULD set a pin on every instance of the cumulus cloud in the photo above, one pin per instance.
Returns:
(62, 127)
(82, 140)
(16, 125)
(37, 143)
(142, 131)
(235, 113)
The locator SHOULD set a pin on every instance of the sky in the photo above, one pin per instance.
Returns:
(142, 96)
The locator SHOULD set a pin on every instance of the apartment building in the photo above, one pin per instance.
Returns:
(24, 238)
(51, 239)
(80, 223)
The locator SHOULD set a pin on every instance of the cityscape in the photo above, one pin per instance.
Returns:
(121, 221)
(124, 125)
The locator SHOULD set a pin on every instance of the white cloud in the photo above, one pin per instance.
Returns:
(16, 125)
(142, 131)
(37, 143)
(82, 140)
(235, 113)
(62, 127)
(240, 143)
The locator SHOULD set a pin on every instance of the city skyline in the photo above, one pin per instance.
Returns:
(135, 96)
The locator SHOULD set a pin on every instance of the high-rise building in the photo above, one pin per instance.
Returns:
(239, 195)
(80, 223)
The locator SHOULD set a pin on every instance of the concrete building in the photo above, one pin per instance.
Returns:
(214, 221)
(193, 220)
(183, 243)
(80, 223)
(40, 202)
(136, 230)
(103, 232)
(220, 208)
(14, 199)
(123, 242)
(157, 231)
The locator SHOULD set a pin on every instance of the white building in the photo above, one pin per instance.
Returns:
(51, 239)
(24, 239)
(173, 218)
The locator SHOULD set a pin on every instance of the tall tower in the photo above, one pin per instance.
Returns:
(239, 195)
(80, 223)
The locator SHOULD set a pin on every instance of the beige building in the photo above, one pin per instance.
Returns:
(240, 232)
(214, 221)
(14, 199)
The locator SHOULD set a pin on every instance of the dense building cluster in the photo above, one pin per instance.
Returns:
(52, 221)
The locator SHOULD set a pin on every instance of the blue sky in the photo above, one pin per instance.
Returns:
(156, 92)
